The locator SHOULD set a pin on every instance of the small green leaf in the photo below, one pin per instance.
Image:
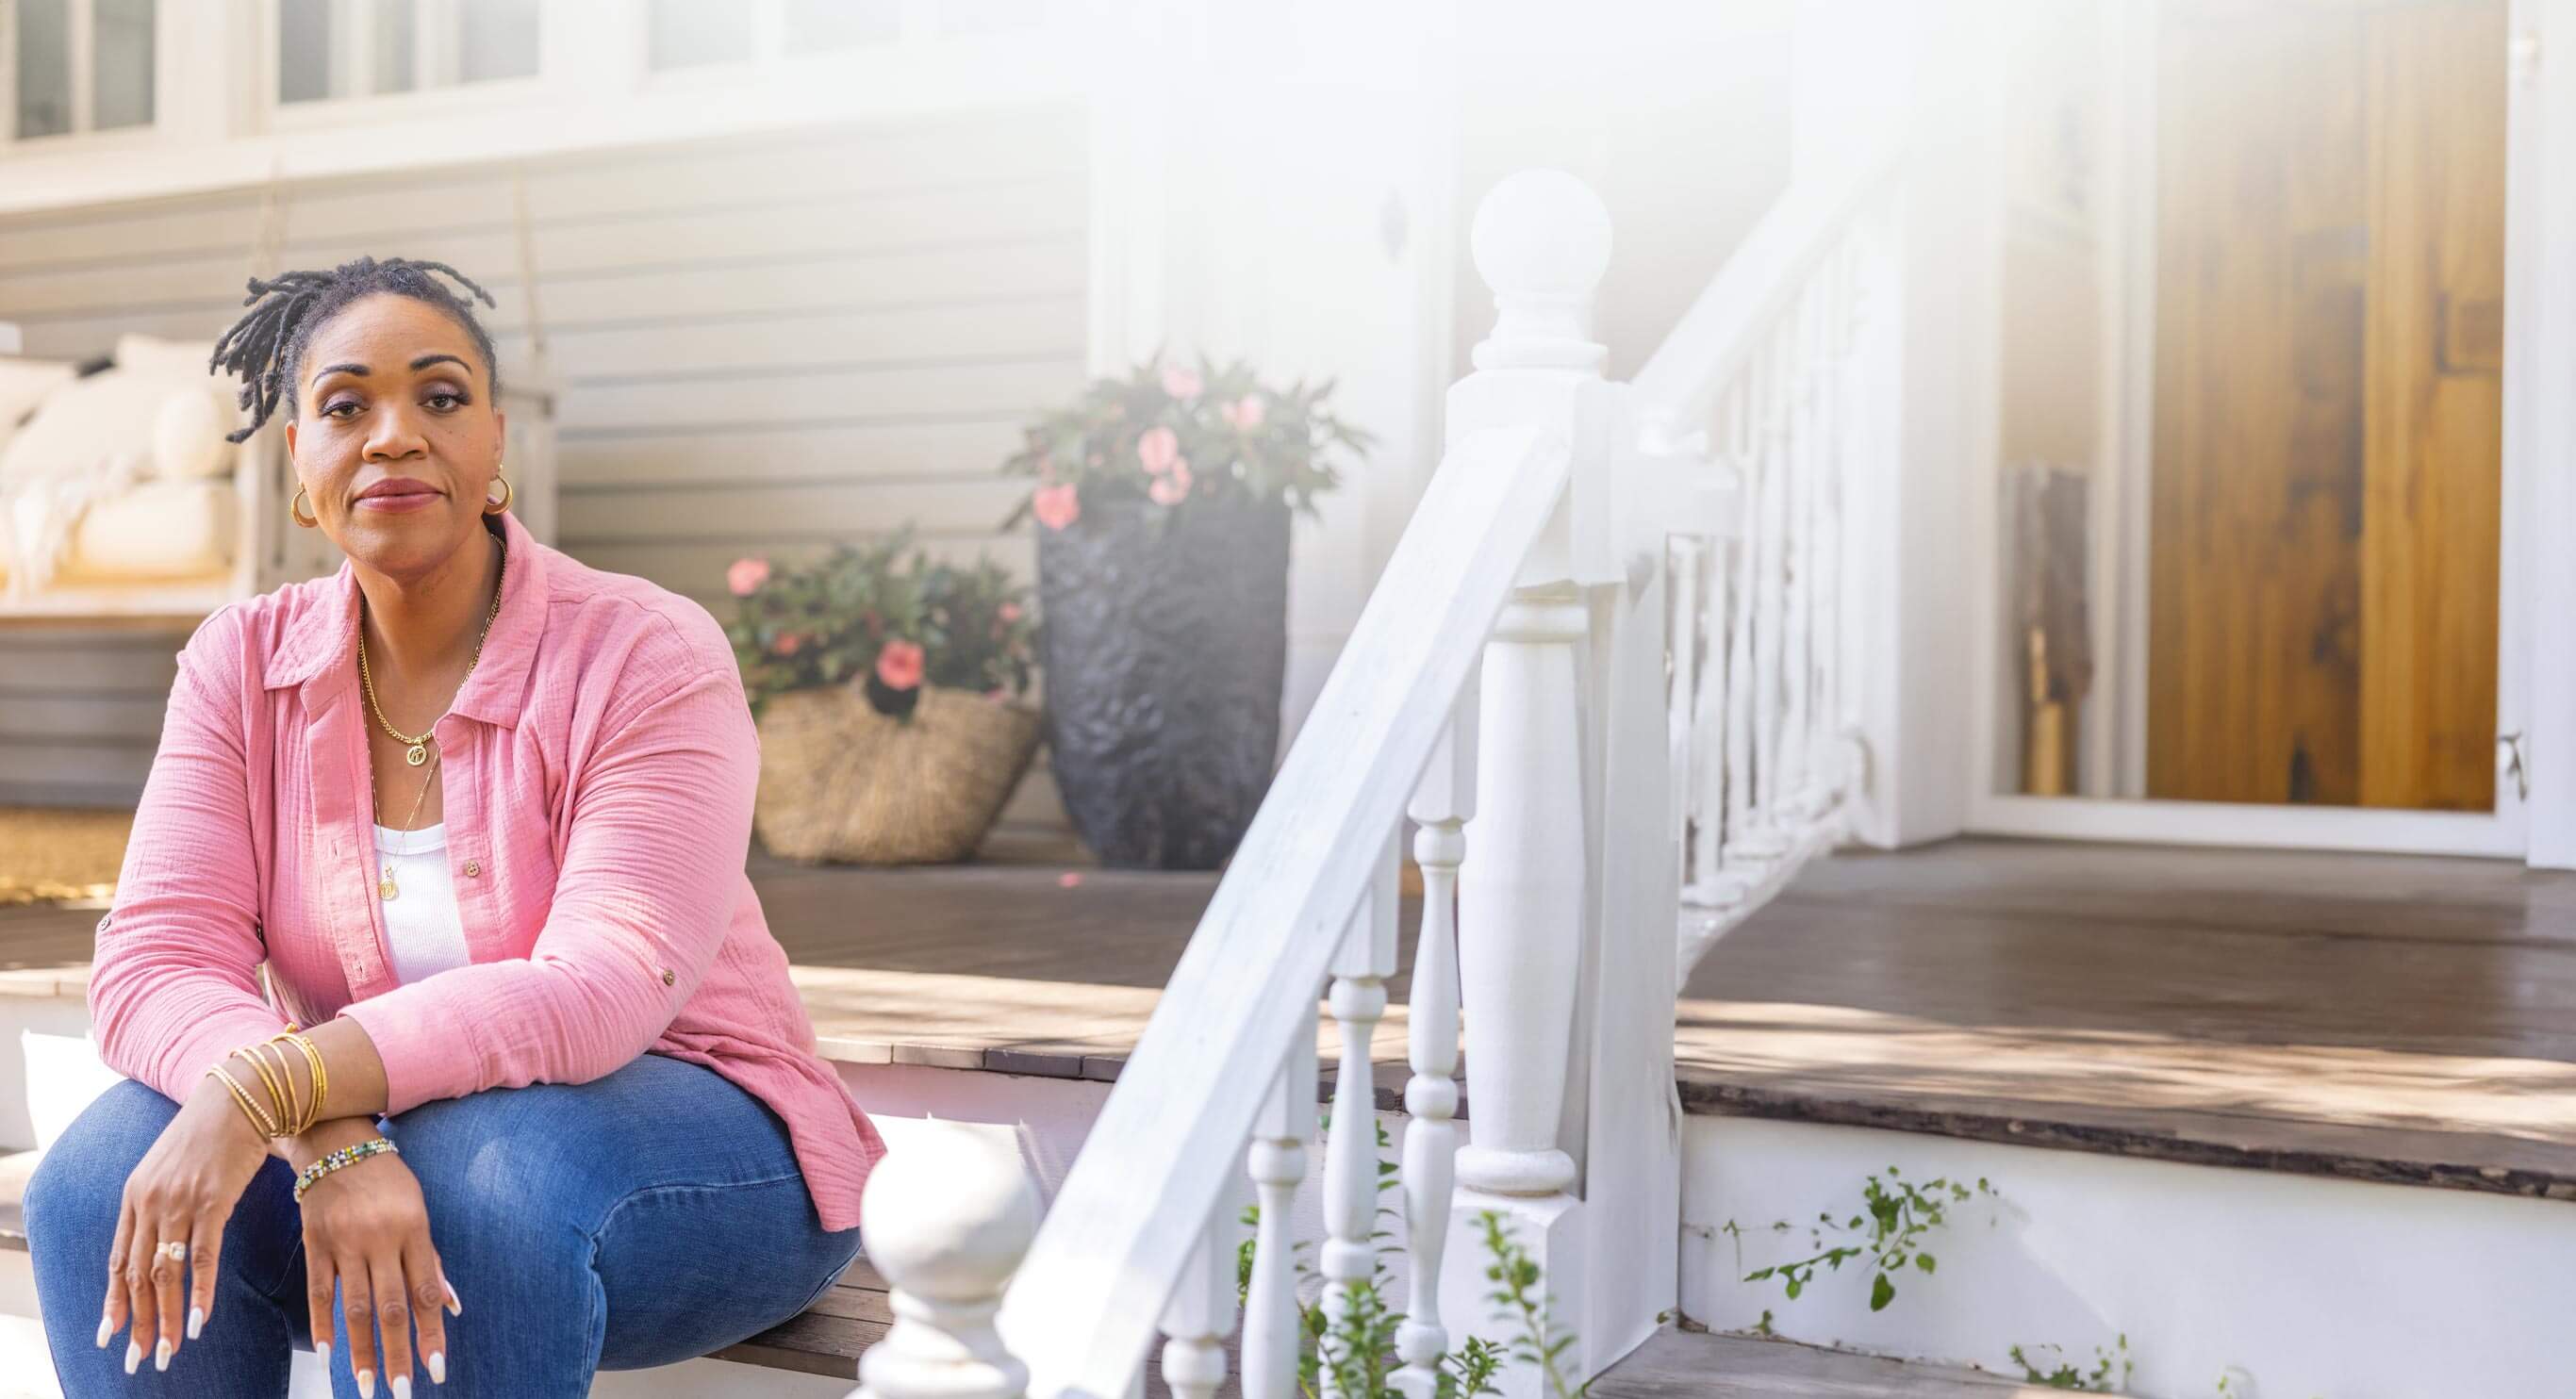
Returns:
(1923, 1261)
(1881, 1293)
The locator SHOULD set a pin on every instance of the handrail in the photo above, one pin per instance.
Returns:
(1725, 324)
(1085, 1303)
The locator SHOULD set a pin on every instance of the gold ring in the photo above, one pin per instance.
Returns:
(175, 1249)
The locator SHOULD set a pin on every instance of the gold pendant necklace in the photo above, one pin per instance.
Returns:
(386, 890)
(416, 746)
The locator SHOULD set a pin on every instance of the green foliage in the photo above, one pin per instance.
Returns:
(2109, 1375)
(1233, 436)
(1355, 1346)
(834, 621)
(1886, 1235)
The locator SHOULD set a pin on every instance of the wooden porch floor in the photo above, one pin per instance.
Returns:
(2403, 1020)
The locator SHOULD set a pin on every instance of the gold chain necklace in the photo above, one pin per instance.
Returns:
(416, 750)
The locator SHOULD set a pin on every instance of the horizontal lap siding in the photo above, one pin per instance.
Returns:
(766, 346)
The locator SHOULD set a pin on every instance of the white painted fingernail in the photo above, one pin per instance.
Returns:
(438, 1367)
(133, 1355)
(366, 1384)
(106, 1328)
(322, 1352)
(402, 1387)
(454, 1307)
(196, 1321)
(161, 1356)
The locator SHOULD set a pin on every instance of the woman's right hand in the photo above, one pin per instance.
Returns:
(184, 1190)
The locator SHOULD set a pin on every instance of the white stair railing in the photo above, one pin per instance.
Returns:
(1768, 376)
(1507, 687)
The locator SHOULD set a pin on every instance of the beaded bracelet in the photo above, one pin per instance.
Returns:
(345, 1156)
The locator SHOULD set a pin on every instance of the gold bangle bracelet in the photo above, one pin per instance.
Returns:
(313, 1063)
(302, 1115)
(280, 1083)
(268, 1080)
(249, 1109)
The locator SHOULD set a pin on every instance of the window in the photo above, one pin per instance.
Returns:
(80, 65)
(371, 48)
(704, 33)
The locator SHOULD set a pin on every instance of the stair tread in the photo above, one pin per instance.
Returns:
(1708, 1365)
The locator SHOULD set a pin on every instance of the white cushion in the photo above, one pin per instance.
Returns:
(175, 356)
(160, 529)
(23, 384)
(118, 414)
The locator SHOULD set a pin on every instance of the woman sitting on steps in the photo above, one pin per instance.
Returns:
(558, 1108)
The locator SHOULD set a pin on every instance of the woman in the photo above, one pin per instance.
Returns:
(558, 1108)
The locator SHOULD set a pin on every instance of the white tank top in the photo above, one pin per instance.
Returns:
(423, 931)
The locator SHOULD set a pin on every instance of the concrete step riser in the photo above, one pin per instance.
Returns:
(2301, 1285)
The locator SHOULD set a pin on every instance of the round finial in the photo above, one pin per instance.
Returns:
(1542, 241)
(949, 1214)
(1543, 233)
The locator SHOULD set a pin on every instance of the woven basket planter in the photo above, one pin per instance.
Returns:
(841, 782)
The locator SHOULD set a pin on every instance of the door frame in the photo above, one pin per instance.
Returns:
(2535, 687)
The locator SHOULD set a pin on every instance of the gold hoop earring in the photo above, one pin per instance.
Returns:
(297, 514)
(507, 495)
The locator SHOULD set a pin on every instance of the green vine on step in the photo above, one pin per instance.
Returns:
(1887, 1235)
(2063, 1374)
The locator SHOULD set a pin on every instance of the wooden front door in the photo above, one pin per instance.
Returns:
(2329, 244)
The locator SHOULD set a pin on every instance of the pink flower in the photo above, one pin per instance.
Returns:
(1183, 384)
(1068, 880)
(1158, 449)
(1172, 489)
(1057, 506)
(899, 665)
(1245, 413)
(746, 576)
(787, 643)
(1011, 612)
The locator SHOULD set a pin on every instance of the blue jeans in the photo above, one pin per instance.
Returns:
(640, 1219)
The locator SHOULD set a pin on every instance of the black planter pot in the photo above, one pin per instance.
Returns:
(1165, 648)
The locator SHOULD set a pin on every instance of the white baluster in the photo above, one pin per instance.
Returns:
(1796, 604)
(1201, 1312)
(1521, 897)
(950, 1215)
(1361, 965)
(1683, 653)
(1739, 652)
(1279, 1135)
(1759, 840)
(1441, 804)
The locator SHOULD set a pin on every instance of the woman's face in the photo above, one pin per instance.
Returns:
(395, 437)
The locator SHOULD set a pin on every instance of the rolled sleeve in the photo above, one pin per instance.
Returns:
(174, 980)
(652, 872)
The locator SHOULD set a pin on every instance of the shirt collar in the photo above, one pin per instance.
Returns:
(321, 655)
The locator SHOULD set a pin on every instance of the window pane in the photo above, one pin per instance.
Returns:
(122, 63)
(989, 16)
(687, 33)
(397, 37)
(496, 39)
(303, 50)
(44, 67)
(841, 24)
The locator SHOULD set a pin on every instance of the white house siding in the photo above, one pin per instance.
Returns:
(765, 345)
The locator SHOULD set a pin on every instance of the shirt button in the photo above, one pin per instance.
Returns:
(473, 868)
(667, 977)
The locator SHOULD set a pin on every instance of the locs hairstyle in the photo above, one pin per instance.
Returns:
(266, 346)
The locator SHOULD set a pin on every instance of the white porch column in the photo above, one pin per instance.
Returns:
(1542, 242)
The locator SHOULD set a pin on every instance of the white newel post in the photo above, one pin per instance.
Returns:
(1542, 242)
(949, 1216)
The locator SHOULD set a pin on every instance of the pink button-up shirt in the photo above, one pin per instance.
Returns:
(598, 768)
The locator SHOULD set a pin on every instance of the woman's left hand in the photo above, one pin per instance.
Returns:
(366, 1228)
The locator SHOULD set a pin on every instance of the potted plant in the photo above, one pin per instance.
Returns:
(883, 685)
(1162, 501)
